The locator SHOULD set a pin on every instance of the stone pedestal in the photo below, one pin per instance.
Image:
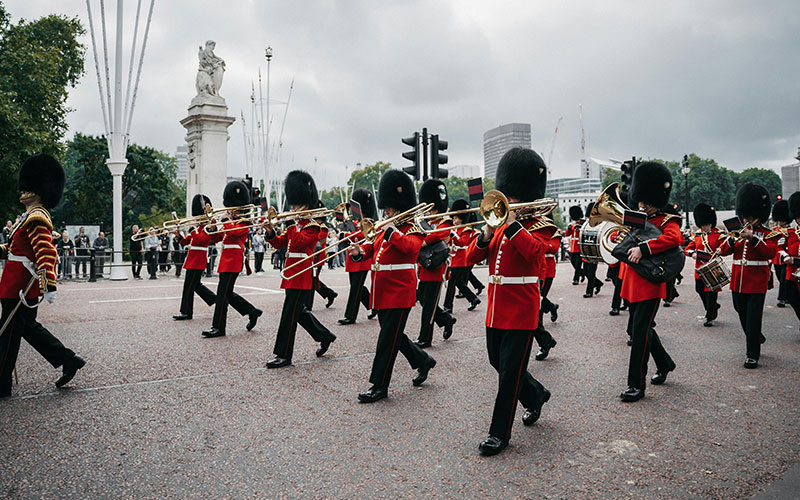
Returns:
(207, 139)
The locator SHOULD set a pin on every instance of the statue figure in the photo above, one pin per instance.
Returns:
(210, 71)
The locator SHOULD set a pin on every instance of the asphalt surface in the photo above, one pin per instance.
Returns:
(159, 412)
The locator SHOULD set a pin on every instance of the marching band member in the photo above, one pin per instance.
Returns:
(593, 285)
(780, 215)
(791, 254)
(319, 287)
(573, 233)
(31, 272)
(460, 240)
(548, 266)
(672, 290)
(230, 264)
(357, 271)
(515, 251)
(752, 253)
(196, 242)
(706, 240)
(430, 280)
(394, 253)
(299, 239)
(651, 187)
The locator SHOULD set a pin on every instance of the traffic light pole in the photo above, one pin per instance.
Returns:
(425, 154)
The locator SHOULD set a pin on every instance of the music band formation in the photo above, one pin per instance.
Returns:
(407, 255)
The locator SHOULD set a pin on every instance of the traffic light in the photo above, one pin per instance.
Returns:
(437, 158)
(779, 197)
(627, 168)
(413, 156)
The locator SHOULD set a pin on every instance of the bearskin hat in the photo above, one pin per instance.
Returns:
(236, 194)
(199, 204)
(670, 209)
(396, 190)
(589, 208)
(794, 205)
(752, 200)
(461, 204)
(575, 212)
(367, 201)
(43, 175)
(705, 214)
(434, 191)
(652, 184)
(521, 174)
(780, 211)
(300, 189)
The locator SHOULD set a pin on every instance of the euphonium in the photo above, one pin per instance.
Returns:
(609, 208)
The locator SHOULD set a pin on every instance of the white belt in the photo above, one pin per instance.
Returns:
(231, 247)
(550, 256)
(205, 249)
(459, 248)
(25, 262)
(392, 267)
(297, 255)
(750, 262)
(513, 280)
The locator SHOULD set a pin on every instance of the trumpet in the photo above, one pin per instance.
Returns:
(369, 229)
(250, 215)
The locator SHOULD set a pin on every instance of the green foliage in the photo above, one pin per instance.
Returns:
(708, 183)
(39, 60)
(767, 178)
(611, 176)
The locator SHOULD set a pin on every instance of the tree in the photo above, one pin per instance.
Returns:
(767, 178)
(368, 177)
(708, 183)
(39, 61)
(611, 176)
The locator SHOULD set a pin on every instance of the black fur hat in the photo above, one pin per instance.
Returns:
(705, 214)
(794, 205)
(199, 204)
(236, 194)
(652, 184)
(367, 201)
(752, 200)
(670, 209)
(396, 190)
(589, 208)
(300, 189)
(460, 204)
(780, 211)
(521, 174)
(43, 175)
(575, 212)
(434, 191)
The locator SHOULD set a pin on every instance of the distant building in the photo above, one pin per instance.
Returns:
(569, 185)
(465, 171)
(567, 200)
(183, 162)
(790, 177)
(499, 140)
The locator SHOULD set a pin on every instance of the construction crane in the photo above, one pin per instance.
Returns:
(584, 163)
(553, 146)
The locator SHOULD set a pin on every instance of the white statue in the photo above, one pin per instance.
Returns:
(210, 71)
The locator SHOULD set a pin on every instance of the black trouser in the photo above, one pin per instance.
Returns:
(177, 258)
(259, 262)
(152, 263)
(577, 262)
(358, 293)
(458, 278)
(616, 300)
(428, 297)
(474, 281)
(780, 272)
(136, 264)
(672, 292)
(590, 270)
(321, 288)
(645, 342)
(225, 296)
(392, 339)
(750, 307)
(162, 260)
(294, 312)
(709, 299)
(81, 261)
(793, 296)
(509, 352)
(24, 326)
(192, 285)
(542, 336)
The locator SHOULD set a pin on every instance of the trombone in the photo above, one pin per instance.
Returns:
(274, 218)
(248, 214)
(173, 225)
(369, 229)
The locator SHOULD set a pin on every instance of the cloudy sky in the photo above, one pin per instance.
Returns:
(656, 79)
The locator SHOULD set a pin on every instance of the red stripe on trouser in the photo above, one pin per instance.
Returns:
(644, 352)
(516, 389)
(396, 334)
(292, 326)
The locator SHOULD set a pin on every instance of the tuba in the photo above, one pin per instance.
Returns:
(608, 212)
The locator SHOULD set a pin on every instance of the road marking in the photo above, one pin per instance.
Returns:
(142, 299)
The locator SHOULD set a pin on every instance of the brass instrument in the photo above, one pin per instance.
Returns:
(248, 214)
(274, 218)
(173, 225)
(609, 208)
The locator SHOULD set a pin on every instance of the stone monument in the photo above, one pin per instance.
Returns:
(207, 131)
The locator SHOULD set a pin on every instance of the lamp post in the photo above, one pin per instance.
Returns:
(686, 186)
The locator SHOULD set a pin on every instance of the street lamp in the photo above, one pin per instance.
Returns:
(686, 186)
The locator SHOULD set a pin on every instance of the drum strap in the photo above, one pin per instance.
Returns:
(706, 246)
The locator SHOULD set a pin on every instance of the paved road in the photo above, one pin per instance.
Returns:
(161, 413)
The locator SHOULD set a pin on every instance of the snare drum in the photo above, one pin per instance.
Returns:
(715, 274)
(590, 243)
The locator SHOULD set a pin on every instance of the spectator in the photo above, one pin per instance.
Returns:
(163, 253)
(151, 246)
(259, 248)
(66, 253)
(332, 247)
(81, 252)
(137, 252)
(7, 231)
(100, 246)
(177, 254)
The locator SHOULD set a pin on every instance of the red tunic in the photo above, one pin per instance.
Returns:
(781, 245)
(459, 245)
(436, 274)
(792, 249)
(704, 242)
(515, 256)
(394, 288)
(636, 288)
(573, 232)
(299, 241)
(352, 266)
(323, 238)
(197, 242)
(751, 260)
(550, 255)
(32, 239)
(231, 258)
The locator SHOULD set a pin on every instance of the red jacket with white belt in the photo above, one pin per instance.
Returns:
(459, 244)
(394, 254)
(31, 246)
(751, 260)
(704, 242)
(792, 249)
(352, 266)
(515, 260)
(550, 255)
(635, 287)
(436, 274)
(573, 232)
(231, 258)
(299, 240)
(197, 242)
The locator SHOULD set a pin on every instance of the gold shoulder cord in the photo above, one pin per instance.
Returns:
(39, 215)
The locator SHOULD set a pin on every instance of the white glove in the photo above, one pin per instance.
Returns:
(50, 296)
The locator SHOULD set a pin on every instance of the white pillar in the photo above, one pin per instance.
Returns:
(117, 168)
